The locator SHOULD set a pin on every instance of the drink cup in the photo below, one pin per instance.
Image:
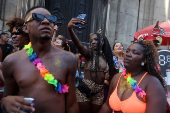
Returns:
(31, 100)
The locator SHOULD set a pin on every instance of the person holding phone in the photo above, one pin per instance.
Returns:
(98, 60)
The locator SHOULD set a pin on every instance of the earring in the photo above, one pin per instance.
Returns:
(142, 64)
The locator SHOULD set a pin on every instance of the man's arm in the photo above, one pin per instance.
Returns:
(10, 86)
(11, 101)
(84, 51)
(71, 101)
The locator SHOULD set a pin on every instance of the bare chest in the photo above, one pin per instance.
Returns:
(27, 74)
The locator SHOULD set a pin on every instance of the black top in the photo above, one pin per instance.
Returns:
(6, 50)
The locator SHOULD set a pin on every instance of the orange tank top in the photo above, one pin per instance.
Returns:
(130, 105)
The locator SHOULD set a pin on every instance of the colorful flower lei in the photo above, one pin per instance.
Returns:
(134, 85)
(44, 72)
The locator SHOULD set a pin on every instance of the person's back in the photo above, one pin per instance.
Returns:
(24, 79)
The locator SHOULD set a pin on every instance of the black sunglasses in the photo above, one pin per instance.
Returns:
(15, 33)
(40, 17)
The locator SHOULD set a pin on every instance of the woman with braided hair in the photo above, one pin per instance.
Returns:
(140, 87)
(98, 60)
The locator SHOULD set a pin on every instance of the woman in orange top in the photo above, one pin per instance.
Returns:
(139, 89)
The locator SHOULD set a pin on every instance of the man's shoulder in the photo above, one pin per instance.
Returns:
(68, 53)
(14, 57)
(68, 57)
(61, 52)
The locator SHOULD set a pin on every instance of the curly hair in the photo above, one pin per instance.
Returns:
(18, 23)
(15, 22)
(151, 56)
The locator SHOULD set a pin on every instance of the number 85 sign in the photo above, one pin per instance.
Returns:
(164, 60)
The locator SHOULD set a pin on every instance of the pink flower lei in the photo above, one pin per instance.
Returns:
(44, 72)
(134, 85)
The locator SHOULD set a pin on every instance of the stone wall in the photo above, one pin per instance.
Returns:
(15, 8)
(125, 17)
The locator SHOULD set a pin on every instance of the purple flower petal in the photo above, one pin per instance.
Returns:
(36, 61)
(137, 89)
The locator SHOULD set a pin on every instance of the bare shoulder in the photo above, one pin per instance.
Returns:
(67, 57)
(10, 63)
(116, 77)
(155, 95)
(14, 57)
(115, 80)
(152, 80)
(154, 86)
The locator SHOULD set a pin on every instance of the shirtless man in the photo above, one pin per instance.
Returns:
(23, 79)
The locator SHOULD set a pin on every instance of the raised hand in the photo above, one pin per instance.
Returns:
(75, 21)
(55, 28)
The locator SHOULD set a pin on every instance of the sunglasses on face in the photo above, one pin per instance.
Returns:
(15, 33)
(40, 17)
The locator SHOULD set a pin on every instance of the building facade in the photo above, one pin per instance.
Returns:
(118, 19)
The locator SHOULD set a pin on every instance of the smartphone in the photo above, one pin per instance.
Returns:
(81, 16)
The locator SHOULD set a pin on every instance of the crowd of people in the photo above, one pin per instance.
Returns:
(46, 67)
